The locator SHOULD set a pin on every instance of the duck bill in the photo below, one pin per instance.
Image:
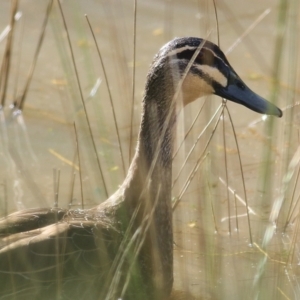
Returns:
(241, 94)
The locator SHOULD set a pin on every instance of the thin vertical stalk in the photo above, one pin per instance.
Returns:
(5, 67)
(79, 164)
(109, 94)
(81, 96)
(22, 99)
(226, 171)
(243, 178)
(133, 80)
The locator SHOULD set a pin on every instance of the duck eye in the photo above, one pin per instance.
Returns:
(208, 58)
(205, 57)
(200, 55)
(199, 58)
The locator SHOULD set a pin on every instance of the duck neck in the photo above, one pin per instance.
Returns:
(155, 144)
(151, 169)
(148, 185)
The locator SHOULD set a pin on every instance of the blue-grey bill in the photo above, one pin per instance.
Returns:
(243, 95)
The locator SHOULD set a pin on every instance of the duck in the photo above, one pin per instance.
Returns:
(123, 247)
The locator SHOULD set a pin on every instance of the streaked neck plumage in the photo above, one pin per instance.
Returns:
(148, 184)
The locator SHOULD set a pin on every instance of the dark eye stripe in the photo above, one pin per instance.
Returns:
(205, 57)
(197, 71)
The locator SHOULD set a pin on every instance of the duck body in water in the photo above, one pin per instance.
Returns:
(122, 248)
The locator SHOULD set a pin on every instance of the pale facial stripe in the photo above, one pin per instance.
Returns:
(208, 72)
(213, 73)
(182, 49)
(179, 50)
